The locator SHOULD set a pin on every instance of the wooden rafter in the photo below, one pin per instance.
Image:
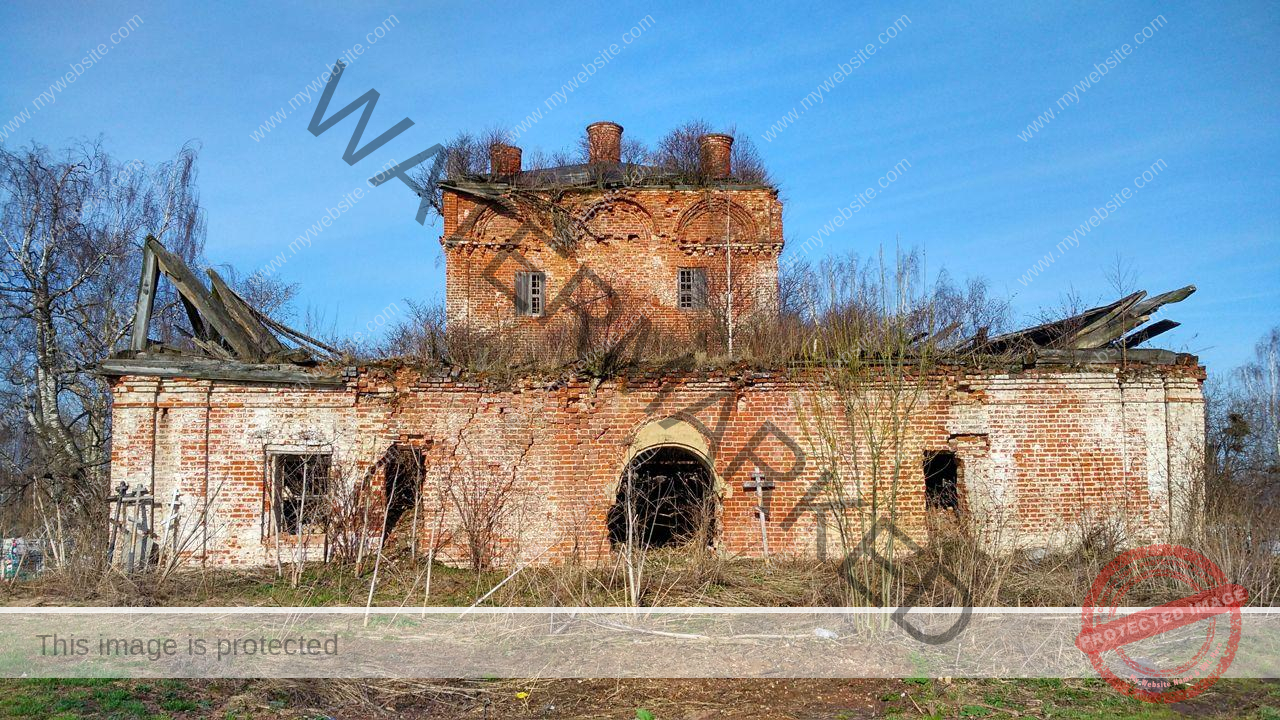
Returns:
(211, 311)
(1146, 333)
(224, 326)
(1106, 326)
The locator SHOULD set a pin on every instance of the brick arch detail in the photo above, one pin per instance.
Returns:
(703, 223)
(493, 225)
(671, 432)
(638, 218)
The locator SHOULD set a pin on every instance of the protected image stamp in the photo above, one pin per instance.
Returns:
(1147, 654)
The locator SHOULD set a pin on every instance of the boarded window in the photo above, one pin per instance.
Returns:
(692, 288)
(941, 477)
(530, 293)
(300, 492)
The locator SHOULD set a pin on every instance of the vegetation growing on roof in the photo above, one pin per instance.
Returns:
(674, 160)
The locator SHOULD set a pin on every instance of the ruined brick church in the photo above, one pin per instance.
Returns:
(252, 449)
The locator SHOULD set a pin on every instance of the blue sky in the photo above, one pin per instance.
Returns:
(950, 93)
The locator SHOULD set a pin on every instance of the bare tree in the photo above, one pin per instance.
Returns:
(71, 226)
(1261, 378)
(1244, 425)
(465, 156)
(882, 335)
(746, 162)
(418, 334)
(265, 293)
(486, 504)
(679, 152)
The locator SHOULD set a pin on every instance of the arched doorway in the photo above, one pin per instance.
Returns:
(666, 497)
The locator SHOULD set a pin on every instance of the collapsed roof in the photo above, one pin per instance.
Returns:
(230, 338)
(1116, 326)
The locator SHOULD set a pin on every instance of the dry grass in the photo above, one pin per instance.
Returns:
(688, 577)
(678, 577)
(824, 313)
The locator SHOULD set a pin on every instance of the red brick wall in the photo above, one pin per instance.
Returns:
(1042, 451)
(637, 240)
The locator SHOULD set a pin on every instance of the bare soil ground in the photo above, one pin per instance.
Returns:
(616, 699)
(676, 580)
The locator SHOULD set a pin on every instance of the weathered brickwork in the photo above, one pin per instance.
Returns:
(1037, 454)
(623, 266)
(1042, 452)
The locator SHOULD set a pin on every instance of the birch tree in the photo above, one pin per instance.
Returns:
(71, 227)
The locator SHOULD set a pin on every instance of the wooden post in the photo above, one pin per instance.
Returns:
(116, 517)
(172, 527)
(133, 541)
(146, 300)
(133, 510)
(144, 539)
(759, 484)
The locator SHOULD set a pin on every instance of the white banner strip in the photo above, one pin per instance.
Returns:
(613, 642)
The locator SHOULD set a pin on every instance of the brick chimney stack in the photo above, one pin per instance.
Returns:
(604, 142)
(716, 149)
(504, 160)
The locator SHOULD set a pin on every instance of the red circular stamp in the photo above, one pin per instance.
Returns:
(1170, 652)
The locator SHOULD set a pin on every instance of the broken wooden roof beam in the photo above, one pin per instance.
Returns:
(224, 326)
(1135, 339)
(211, 311)
(166, 365)
(1107, 326)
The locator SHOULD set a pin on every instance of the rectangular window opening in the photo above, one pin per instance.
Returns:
(402, 481)
(692, 288)
(530, 293)
(941, 480)
(300, 492)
